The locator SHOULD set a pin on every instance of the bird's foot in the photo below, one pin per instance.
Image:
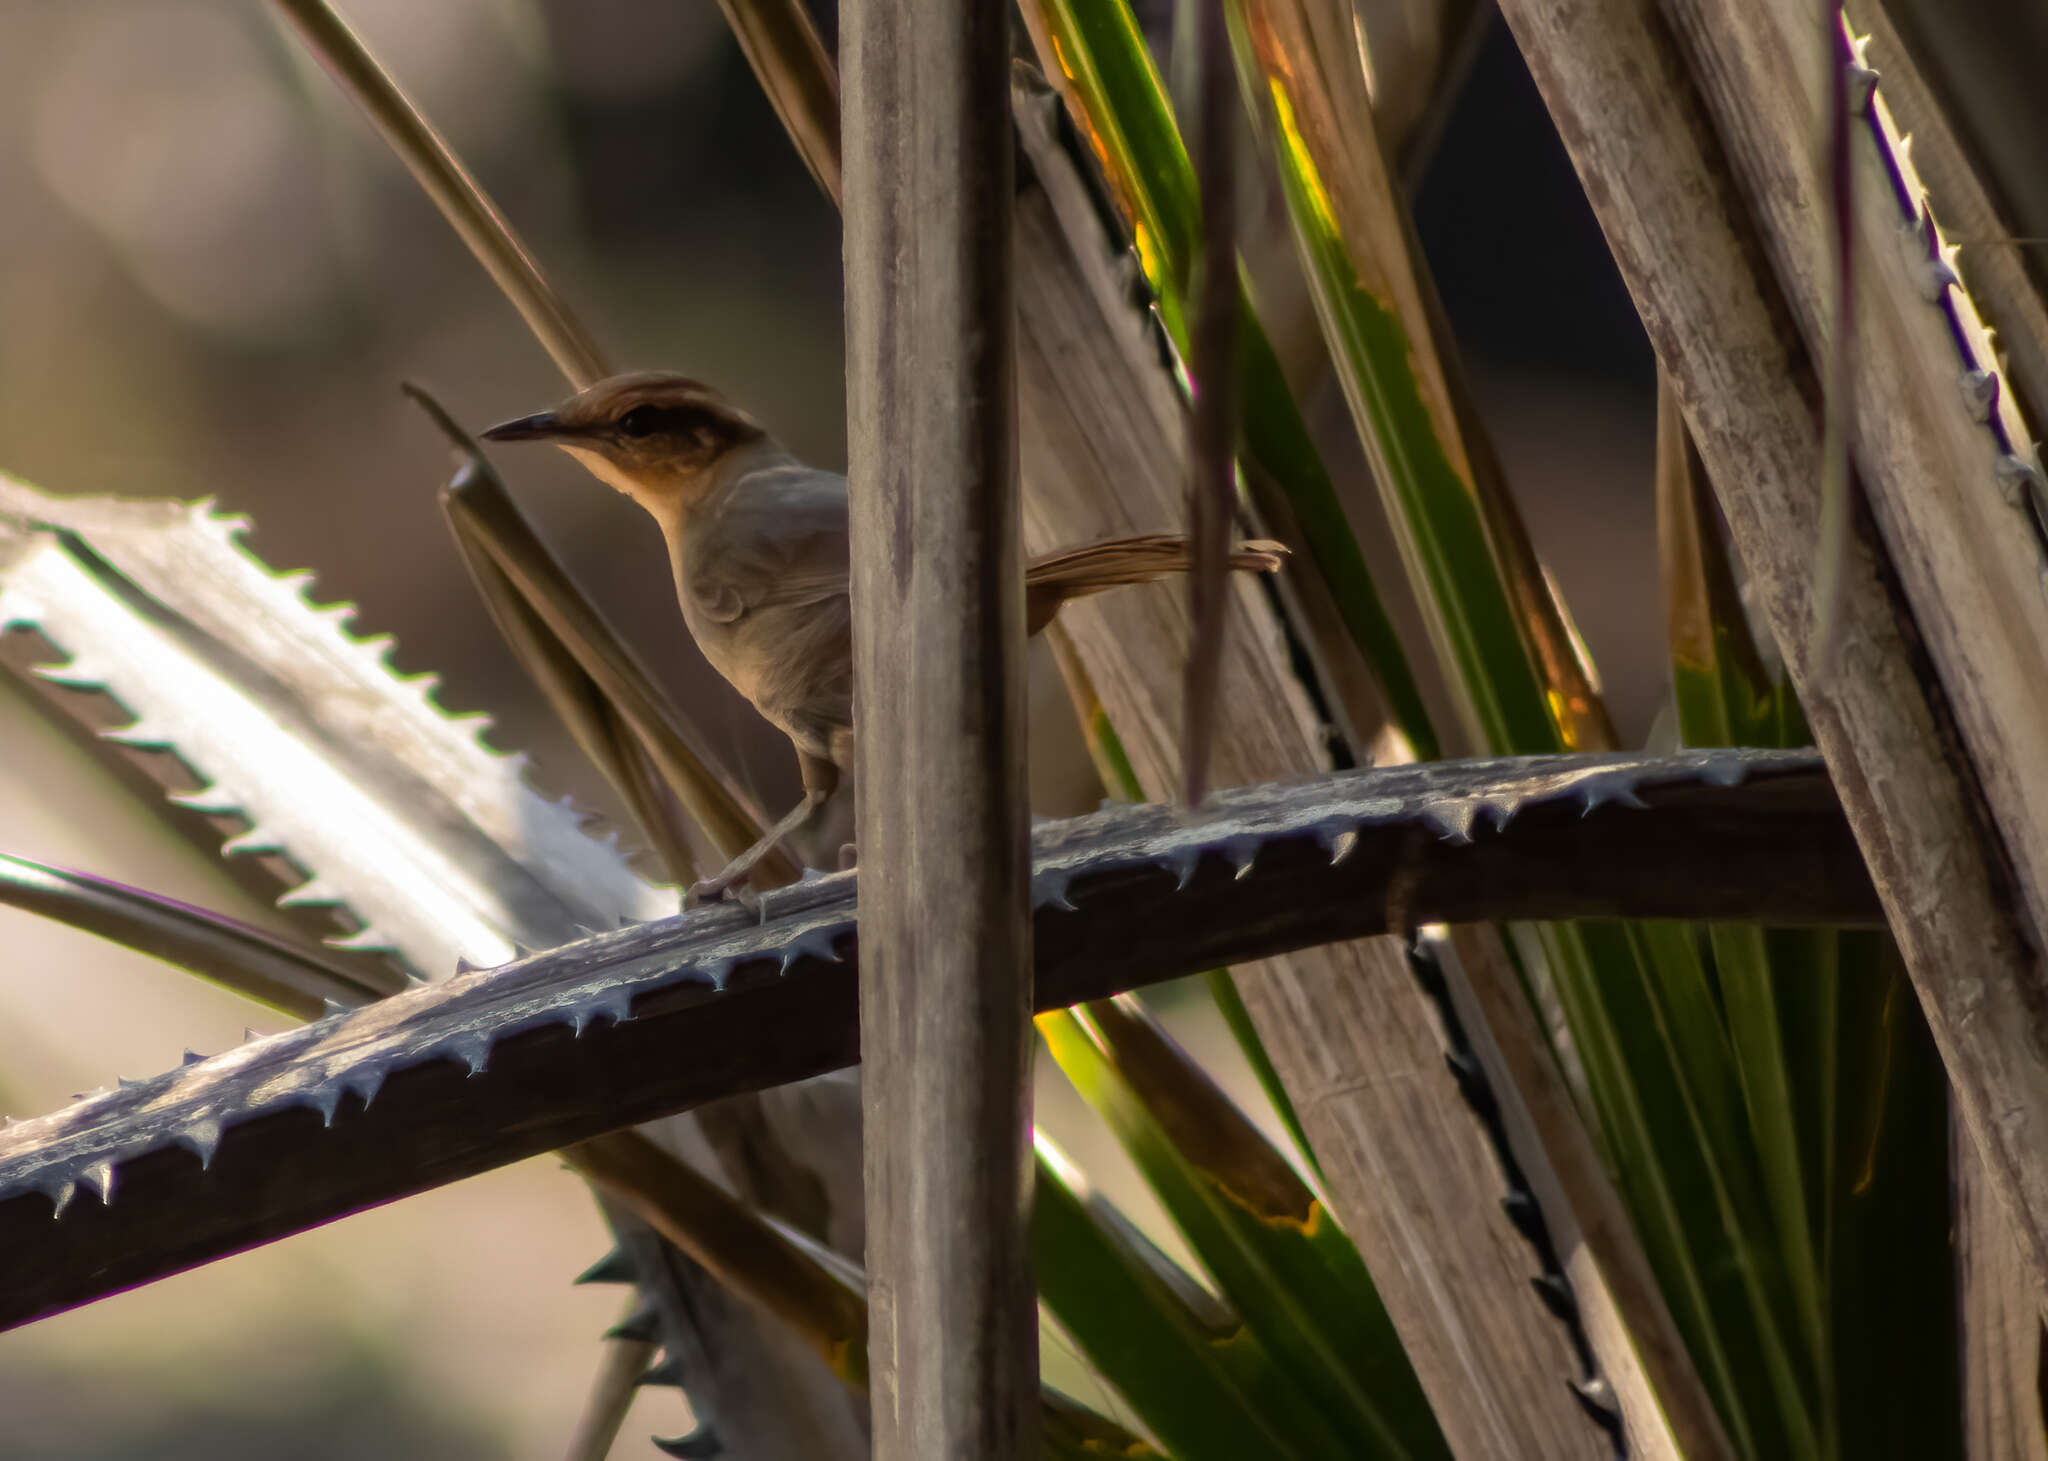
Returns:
(725, 887)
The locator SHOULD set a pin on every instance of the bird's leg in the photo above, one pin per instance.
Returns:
(820, 778)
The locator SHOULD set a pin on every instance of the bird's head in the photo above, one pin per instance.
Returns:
(653, 435)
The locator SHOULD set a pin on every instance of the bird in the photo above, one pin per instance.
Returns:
(758, 545)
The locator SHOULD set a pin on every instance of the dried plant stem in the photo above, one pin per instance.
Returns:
(612, 1392)
(1832, 554)
(938, 645)
(790, 60)
(252, 962)
(1212, 425)
(443, 177)
(733, 1244)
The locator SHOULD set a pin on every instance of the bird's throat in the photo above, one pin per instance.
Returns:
(607, 471)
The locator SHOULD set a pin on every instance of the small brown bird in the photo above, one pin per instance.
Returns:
(758, 544)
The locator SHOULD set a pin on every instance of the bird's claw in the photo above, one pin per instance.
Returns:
(722, 889)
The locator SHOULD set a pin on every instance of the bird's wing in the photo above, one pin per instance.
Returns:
(775, 540)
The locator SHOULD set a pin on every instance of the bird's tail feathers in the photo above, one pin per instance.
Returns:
(1074, 573)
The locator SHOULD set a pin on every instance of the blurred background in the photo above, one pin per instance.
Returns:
(212, 281)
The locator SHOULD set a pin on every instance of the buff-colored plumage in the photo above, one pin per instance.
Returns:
(758, 544)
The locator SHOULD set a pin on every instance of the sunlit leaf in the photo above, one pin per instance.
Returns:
(1096, 54)
(1187, 1366)
(1267, 1240)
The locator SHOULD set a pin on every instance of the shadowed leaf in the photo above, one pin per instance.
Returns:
(230, 953)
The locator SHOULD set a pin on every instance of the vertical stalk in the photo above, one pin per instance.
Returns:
(939, 698)
(1212, 427)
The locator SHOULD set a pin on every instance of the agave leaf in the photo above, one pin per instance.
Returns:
(259, 965)
(542, 1053)
(1269, 1243)
(1663, 1085)
(1724, 697)
(1395, 359)
(739, 1247)
(1758, 1279)
(1348, 221)
(397, 811)
(407, 823)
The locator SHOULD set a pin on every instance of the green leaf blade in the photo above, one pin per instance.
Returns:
(1120, 104)
(1273, 1248)
(1183, 1371)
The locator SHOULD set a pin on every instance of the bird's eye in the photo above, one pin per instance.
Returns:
(640, 421)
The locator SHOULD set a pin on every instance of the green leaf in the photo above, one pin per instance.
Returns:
(1694, 1203)
(1098, 57)
(1272, 1247)
(1355, 254)
(1070, 1431)
(1189, 1368)
(1889, 1254)
(1824, 1036)
(1222, 986)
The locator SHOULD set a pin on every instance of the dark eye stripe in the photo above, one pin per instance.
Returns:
(643, 421)
(703, 425)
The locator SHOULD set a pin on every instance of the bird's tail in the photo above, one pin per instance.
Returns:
(1074, 573)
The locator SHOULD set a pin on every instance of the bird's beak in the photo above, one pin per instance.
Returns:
(542, 427)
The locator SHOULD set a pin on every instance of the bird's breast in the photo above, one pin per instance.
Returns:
(794, 663)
